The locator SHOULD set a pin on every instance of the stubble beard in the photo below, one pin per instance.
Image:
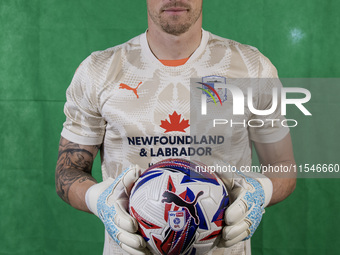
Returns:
(173, 25)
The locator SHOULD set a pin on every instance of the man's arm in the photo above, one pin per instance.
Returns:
(73, 172)
(278, 154)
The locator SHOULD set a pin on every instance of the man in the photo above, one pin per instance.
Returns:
(121, 100)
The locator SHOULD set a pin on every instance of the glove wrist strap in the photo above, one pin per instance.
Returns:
(266, 184)
(89, 202)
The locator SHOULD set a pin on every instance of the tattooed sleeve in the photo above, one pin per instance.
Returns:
(74, 165)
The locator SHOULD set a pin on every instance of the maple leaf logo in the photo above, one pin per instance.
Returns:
(175, 124)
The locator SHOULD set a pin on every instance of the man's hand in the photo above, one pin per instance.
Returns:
(109, 201)
(249, 195)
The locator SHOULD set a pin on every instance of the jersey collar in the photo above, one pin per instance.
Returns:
(148, 53)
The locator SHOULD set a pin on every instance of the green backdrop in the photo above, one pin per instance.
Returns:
(43, 41)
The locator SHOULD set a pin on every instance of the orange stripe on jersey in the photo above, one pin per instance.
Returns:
(177, 62)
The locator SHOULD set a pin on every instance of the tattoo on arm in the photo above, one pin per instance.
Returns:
(74, 164)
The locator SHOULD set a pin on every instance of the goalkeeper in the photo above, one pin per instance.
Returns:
(122, 97)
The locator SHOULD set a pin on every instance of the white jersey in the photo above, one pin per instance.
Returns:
(143, 111)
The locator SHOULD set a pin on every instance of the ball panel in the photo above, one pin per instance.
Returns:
(179, 207)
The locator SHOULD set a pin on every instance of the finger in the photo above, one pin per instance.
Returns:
(231, 232)
(237, 211)
(131, 250)
(123, 185)
(123, 219)
(134, 241)
(228, 243)
(131, 177)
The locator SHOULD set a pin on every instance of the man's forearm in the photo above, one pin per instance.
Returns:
(73, 172)
(72, 185)
(276, 158)
(283, 182)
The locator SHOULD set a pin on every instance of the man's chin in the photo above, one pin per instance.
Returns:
(175, 32)
(175, 28)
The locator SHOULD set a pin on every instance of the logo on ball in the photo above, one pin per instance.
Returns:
(176, 220)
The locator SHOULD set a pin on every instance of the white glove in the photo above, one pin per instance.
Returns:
(250, 193)
(109, 201)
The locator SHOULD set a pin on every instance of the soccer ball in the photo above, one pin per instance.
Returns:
(179, 206)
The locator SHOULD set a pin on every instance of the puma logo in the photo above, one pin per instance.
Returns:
(170, 197)
(124, 86)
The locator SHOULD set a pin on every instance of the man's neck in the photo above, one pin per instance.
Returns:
(172, 47)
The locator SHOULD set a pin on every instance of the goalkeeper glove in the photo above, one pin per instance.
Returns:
(109, 201)
(249, 193)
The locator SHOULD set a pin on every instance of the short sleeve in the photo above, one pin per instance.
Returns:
(84, 123)
(271, 127)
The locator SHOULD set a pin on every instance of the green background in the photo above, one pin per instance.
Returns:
(42, 42)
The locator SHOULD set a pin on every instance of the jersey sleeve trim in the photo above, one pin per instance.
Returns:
(84, 140)
(271, 138)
